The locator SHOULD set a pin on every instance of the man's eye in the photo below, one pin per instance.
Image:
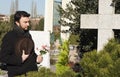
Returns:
(26, 22)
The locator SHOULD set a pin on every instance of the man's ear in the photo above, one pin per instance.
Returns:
(17, 23)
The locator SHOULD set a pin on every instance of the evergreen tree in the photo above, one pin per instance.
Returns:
(87, 38)
(61, 65)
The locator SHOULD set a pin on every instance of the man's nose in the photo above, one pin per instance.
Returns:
(28, 24)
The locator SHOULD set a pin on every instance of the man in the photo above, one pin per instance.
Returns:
(17, 65)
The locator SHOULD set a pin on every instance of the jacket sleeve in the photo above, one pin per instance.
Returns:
(7, 53)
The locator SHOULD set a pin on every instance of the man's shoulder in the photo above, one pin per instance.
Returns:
(9, 34)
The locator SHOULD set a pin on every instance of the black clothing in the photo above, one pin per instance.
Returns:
(15, 66)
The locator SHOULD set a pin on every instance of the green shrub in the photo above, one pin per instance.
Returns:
(67, 73)
(73, 39)
(61, 65)
(104, 63)
(43, 72)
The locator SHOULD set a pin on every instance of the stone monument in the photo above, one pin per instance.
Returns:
(105, 21)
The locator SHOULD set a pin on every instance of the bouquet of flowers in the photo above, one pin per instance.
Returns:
(44, 49)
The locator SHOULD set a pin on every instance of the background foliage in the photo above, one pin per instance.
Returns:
(4, 28)
(40, 26)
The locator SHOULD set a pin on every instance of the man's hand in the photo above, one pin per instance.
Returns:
(39, 59)
(24, 56)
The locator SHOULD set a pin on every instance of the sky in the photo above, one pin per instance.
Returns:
(23, 5)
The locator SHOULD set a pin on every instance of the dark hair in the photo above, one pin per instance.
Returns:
(26, 44)
(20, 14)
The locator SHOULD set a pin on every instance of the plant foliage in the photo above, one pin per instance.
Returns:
(104, 63)
(61, 65)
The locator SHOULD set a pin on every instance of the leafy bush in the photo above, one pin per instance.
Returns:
(43, 72)
(4, 27)
(104, 63)
(73, 39)
(67, 73)
(61, 65)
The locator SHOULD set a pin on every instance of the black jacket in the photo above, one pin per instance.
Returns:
(15, 66)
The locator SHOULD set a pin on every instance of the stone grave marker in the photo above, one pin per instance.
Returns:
(105, 21)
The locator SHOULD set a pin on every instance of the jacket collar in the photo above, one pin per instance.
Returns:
(20, 31)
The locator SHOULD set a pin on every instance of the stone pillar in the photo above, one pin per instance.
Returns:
(48, 23)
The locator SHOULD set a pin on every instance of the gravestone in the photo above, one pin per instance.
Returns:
(105, 21)
(40, 39)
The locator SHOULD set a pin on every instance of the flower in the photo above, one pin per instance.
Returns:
(44, 49)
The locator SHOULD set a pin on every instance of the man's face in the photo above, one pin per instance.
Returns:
(24, 23)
